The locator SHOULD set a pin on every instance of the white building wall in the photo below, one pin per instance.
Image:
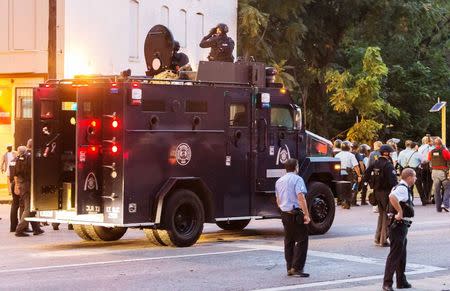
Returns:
(23, 36)
(99, 35)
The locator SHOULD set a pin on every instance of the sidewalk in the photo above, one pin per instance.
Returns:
(5, 198)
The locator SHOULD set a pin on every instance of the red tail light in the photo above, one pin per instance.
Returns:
(115, 123)
(94, 123)
(114, 149)
(93, 149)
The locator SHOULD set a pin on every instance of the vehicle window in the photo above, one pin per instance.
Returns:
(196, 106)
(281, 116)
(238, 115)
(154, 105)
(47, 109)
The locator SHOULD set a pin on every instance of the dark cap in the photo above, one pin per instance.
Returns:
(386, 149)
(223, 27)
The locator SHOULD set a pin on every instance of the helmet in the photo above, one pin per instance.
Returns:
(364, 148)
(346, 145)
(337, 143)
(176, 46)
(386, 149)
(223, 27)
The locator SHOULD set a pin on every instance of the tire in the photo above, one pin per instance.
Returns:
(153, 236)
(101, 233)
(233, 224)
(81, 232)
(321, 207)
(183, 218)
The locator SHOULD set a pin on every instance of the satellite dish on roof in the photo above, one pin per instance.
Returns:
(158, 49)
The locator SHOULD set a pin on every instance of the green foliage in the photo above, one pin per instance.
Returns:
(305, 38)
(365, 131)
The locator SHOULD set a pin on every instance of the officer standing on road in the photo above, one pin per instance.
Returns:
(351, 166)
(382, 177)
(401, 201)
(221, 45)
(22, 180)
(375, 154)
(439, 158)
(290, 192)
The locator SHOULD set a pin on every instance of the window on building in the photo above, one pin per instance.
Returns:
(182, 31)
(165, 16)
(24, 24)
(4, 26)
(281, 116)
(238, 115)
(24, 103)
(134, 30)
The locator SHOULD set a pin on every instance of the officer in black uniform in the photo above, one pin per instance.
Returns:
(401, 215)
(382, 176)
(22, 180)
(15, 205)
(221, 45)
(178, 59)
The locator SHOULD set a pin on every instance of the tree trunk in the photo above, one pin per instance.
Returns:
(52, 39)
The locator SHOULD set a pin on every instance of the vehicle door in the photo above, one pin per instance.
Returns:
(237, 159)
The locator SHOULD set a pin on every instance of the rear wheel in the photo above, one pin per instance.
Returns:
(81, 231)
(183, 218)
(321, 207)
(233, 224)
(101, 233)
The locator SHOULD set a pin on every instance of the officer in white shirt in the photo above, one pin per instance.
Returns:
(290, 192)
(400, 199)
(351, 167)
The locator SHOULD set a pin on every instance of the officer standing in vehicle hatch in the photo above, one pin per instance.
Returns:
(221, 45)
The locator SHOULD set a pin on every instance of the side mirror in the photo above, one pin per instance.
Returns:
(298, 118)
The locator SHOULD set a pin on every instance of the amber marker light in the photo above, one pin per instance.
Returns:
(283, 90)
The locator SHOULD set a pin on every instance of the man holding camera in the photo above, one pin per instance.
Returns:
(221, 45)
(290, 192)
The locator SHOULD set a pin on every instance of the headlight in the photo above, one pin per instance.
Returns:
(337, 167)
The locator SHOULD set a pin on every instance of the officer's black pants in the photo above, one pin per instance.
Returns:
(396, 260)
(13, 216)
(295, 242)
(23, 224)
(420, 185)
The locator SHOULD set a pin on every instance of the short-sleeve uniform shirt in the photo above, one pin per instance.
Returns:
(401, 192)
(286, 190)
(348, 160)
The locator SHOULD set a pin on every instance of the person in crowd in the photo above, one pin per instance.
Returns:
(290, 193)
(360, 158)
(382, 177)
(425, 176)
(439, 158)
(7, 158)
(404, 154)
(350, 167)
(394, 155)
(364, 150)
(337, 147)
(22, 187)
(375, 154)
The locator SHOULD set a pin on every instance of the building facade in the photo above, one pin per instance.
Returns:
(93, 37)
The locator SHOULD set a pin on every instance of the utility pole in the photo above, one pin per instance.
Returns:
(52, 39)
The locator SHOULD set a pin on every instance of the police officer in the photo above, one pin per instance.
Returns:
(414, 160)
(362, 168)
(351, 167)
(382, 176)
(178, 59)
(22, 179)
(439, 158)
(290, 192)
(375, 154)
(221, 45)
(337, 147)
(15, 205)
(402, 211)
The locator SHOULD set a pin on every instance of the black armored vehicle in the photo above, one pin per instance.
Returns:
(167, 156)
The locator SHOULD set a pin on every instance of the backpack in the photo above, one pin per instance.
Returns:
(407, 207)
(377, 175)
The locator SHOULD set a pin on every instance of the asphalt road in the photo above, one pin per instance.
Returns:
(344, 258)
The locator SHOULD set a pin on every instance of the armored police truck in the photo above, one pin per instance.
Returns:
(167, 156)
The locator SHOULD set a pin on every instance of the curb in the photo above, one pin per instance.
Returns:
(5, 201)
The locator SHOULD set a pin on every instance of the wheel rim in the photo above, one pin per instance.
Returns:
(319, 209)
(185, 219)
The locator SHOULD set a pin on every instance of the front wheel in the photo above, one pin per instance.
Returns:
(321, 207)
(102, 233)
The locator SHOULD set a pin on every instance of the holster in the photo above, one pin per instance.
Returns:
(299, 216)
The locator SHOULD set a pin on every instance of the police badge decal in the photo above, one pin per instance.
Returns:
(183, 154)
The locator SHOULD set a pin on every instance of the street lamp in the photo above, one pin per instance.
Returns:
(441, 106)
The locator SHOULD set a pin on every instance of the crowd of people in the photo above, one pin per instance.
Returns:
(429, 161)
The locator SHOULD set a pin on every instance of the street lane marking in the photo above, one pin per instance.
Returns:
(125, 261)
(417, 269)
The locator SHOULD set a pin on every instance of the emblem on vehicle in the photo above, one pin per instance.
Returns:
(283, 155)
(91, 182)
(183, 154)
